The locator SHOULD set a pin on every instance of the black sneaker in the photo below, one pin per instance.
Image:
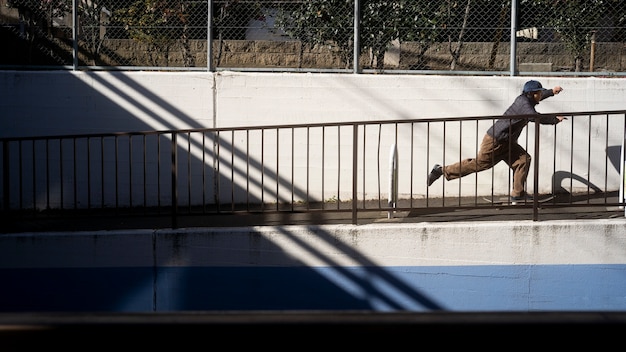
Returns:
(521, 199)
(435, 173)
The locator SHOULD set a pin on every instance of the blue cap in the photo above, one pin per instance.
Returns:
(533, 86)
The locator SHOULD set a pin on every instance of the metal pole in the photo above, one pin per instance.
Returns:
(536, 171)
(592, 57)
(209, 36)
(75, 35)
(357, 35)
(355, 165)
(174, 171)
(513, 54)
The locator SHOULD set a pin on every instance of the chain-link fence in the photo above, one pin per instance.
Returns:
(475, 36)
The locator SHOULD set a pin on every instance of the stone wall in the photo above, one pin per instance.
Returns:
(483, 56)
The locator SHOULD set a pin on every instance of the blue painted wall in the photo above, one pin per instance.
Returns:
(262, 269)
(461, 288)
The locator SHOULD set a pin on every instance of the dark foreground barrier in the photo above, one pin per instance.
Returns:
(295, 330)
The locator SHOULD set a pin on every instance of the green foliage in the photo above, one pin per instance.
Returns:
(149, 21)
(331, 22)
(573, 20)
(385, 21)
(320, 22)
(157, 23)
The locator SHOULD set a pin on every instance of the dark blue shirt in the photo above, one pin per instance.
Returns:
(510, 129)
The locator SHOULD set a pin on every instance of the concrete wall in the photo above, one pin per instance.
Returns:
(50, 103)
(467, 267)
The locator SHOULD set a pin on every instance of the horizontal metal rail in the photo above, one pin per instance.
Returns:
(313, 169)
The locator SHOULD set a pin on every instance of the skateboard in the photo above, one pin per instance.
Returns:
(507, 200)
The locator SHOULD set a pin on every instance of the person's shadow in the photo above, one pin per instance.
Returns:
(614, 156)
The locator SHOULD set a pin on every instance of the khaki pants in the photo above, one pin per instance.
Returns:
(490, 153)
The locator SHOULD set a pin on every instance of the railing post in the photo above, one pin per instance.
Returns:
(392, 201)
(536, 171)
(174, 166)
(355, 164)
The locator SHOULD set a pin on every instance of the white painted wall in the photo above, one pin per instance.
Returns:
(62, 102)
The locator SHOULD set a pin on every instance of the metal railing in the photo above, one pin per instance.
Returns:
(312, 168)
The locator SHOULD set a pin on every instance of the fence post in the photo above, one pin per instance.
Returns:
(357, 35)
(209, 36)
(512, 54)
(75, 34)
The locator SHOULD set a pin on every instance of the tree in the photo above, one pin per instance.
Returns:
(381, 23)
(331, 22)
(320, 22)
(93, 20)
(385, 21)
(456, 20)
(505, 10)
(573, 20)
(422, 23)
(157, 23)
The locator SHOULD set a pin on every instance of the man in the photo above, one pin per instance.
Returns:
(500, 142)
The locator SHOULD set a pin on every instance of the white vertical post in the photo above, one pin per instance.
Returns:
(622, 172)
(393, 180)
(513, 54)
